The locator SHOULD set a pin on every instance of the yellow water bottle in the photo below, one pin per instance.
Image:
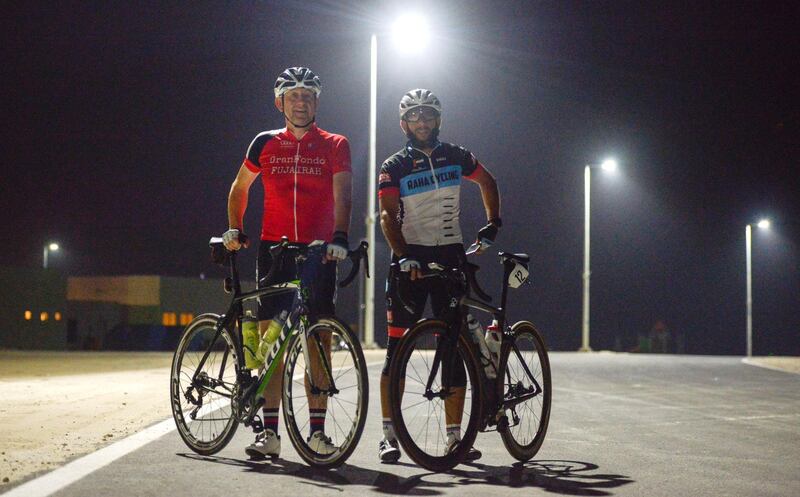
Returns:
(271, 335)
(250, 339)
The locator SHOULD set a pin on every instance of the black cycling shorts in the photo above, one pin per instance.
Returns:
(416, 292)
(321, 290)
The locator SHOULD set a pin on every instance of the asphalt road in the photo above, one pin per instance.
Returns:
(622, 424)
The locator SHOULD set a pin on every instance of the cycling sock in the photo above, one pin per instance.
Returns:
(388, 429)
(270, 419)
(317, 420)
(454, 430)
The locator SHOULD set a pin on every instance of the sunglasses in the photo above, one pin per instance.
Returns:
(421, 114)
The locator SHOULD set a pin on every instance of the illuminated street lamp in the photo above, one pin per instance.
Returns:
(609, 166)
(763, 224)
(411, 34)
(50, 247)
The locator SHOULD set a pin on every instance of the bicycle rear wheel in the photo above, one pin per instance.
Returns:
(201, 394)
(526, 376)
(434, 388)
(339, 374)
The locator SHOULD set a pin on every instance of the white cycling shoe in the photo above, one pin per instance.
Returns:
(267, 444)
(321, 444)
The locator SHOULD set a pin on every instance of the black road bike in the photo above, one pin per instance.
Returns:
(442, 382)
(212, 391)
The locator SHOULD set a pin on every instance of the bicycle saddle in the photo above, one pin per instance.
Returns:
(521, 258)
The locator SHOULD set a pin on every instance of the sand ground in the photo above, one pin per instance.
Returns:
(57, 406)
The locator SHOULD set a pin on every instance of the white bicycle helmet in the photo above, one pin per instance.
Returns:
(297, 77)
(419, 98)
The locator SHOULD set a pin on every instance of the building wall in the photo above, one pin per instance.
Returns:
(111, 313)
(41, 292)
(125, 290)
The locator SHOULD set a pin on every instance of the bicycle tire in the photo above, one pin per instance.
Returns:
(199, 437)
(354, 371)
(417, 334)
(516, 443)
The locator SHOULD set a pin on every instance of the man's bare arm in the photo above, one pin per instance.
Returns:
(489, 193)
(342, 200)
(390, 224)
(237, 198)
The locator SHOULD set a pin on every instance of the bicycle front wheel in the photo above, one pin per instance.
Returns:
(333, 397)
(525, 367)
(434, 395)
(202, 385)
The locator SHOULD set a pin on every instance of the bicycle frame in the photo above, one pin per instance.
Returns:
(498, 313)
(296, 322)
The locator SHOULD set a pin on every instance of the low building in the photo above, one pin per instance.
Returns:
(138, 312)
(47, 310)
(33, 307)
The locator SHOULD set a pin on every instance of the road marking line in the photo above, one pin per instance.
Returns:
(70, 473)
(66, 475)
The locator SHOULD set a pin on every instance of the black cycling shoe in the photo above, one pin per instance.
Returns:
(388, 451)
(472, 455)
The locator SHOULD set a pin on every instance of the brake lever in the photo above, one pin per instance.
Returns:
(355, 256)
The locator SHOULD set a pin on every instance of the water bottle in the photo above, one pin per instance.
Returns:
(476, 330)
(250, 340)
(493, 341)
(271, 335)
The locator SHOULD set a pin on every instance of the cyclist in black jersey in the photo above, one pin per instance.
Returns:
(419, 194)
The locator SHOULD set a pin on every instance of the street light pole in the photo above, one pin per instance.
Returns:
(414, 27)
(587, 176)
(369, 290)
(748, 243)
(748, 240)
(48, 247)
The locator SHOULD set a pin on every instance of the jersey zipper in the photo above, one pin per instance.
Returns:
(296, 164)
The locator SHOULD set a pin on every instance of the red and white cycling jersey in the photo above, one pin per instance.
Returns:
(298, 181)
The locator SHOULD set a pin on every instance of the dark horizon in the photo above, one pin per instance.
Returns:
(124, 130)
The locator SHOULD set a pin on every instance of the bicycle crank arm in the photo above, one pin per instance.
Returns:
(508, 404)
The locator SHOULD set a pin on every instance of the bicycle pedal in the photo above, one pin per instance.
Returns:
(257, 425)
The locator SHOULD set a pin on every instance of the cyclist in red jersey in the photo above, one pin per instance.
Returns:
(306, 176)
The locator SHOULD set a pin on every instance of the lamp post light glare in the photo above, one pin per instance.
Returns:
(748, 240)
(50, 247)
(410, 33)
(610, 166)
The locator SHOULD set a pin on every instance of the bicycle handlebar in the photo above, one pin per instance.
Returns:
(284, 249)
(435, 270)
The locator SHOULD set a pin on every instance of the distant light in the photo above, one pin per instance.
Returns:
(609, 165)
(763, 224)
(28, 315)
(43, 317)
(53, 247)
(411, 33)
(57, 316)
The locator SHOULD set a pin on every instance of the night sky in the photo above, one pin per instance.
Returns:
(125, 123)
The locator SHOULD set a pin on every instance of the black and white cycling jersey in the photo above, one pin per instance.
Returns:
(429, 188)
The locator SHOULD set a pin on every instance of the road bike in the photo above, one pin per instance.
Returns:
(442, 382)
(212, 391)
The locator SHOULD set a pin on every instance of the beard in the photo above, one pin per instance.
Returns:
(433, 137)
